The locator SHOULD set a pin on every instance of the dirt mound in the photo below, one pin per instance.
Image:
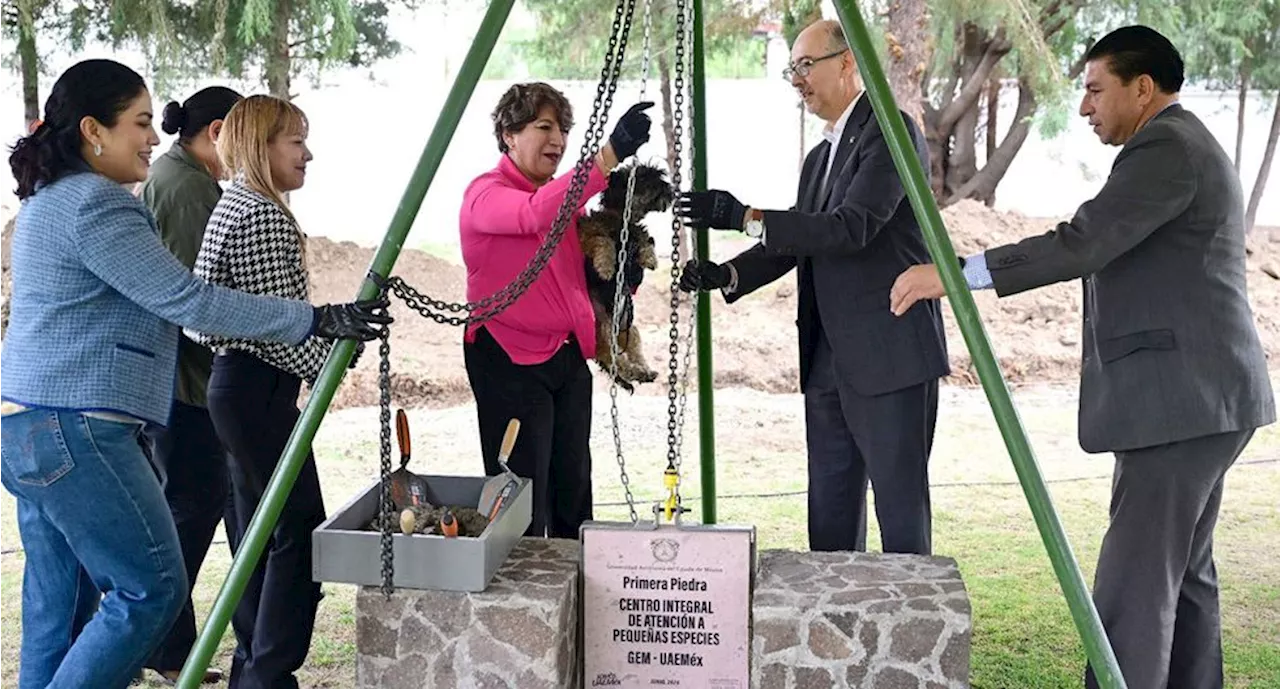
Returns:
(1036, 334)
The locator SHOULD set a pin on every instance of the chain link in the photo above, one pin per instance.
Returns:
(489, 307)
(673, 364)
(690, 327)
(619, 291)
(386, 508)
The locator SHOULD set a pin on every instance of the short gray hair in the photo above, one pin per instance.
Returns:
(835, 36)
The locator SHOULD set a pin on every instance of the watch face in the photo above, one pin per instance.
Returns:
(754, 229)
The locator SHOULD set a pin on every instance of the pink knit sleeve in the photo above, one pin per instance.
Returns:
(493, 207)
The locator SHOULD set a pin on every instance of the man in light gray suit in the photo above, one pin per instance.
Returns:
(1174, 380)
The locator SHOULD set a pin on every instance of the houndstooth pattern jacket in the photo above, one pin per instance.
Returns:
(252, 245)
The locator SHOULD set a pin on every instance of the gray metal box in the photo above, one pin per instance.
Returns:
(342, 551)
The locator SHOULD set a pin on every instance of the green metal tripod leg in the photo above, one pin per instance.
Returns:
(706, 379)
(1096, 645)
(268, 512)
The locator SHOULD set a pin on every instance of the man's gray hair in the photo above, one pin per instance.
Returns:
(835, 37)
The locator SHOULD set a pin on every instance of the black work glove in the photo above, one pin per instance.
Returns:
(631, 131)
(704, 276)
(716, 209)
(353, 321)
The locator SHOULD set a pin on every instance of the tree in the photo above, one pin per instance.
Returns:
(1218, 51)
(572, 38)
(908, 44)
(1233, 44)
(276, 41)
(22, 20)
(71, 24)
(980, 48)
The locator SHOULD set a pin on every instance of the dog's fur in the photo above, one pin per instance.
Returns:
(599, 232)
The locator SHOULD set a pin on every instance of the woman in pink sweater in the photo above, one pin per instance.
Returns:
(529, 362)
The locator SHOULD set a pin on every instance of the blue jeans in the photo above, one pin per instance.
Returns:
(92, 519)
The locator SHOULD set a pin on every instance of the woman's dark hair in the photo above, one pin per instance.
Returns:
(520, 105)
(101, 89)
(191, 117)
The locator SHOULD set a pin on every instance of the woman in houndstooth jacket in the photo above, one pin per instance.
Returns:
(253, 242)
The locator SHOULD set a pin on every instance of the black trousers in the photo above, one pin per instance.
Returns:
(553, 402)
(192, 467)
(852, 438)
(1156, 587)
(254, 408)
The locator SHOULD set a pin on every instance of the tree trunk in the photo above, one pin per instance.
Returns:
(936, 143)
(984, 183)
(962, 165)
(1264, 170)
(1240, 108)
(668, 123)
(279, 63)
(951, 129)
(910, 50)
(993, 114)
(29, 61)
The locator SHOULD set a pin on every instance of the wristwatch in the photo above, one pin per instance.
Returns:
(754, 227)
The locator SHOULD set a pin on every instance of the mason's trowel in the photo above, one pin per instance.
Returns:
(498, 489)
(407, 488)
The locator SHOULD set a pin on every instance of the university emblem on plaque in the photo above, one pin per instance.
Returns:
(664, 549)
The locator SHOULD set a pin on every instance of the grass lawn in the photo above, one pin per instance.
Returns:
(1023, 634)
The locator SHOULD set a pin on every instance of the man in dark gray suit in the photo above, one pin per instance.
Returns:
(1174, 380)
(870, 380)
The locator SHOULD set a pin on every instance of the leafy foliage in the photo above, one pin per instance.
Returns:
(572, 38)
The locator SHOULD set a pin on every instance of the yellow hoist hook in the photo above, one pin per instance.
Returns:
(671, 479)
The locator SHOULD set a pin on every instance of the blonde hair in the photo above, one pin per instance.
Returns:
(243, 145)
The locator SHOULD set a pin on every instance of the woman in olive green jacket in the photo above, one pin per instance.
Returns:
(181, 191)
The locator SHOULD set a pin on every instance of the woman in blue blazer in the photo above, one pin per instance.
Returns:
(88, 359)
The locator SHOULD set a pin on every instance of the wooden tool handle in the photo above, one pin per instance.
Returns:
(509, 439)
(402, 434)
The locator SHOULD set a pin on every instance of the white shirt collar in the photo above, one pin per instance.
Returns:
(832, 133)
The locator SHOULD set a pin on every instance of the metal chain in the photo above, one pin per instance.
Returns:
(619, 292)
(494, 304)
(385, 506)
(690, 327)
(673, 378)
(491, 306)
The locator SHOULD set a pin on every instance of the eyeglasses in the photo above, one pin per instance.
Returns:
(801, 68)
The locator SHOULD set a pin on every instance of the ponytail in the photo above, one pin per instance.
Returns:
(43, 156)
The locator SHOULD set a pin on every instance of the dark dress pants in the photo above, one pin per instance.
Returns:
(853, 438)
(1156, 587)
(553, 402)
(254, 409)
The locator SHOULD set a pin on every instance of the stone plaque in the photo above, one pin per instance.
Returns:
(667, 607)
